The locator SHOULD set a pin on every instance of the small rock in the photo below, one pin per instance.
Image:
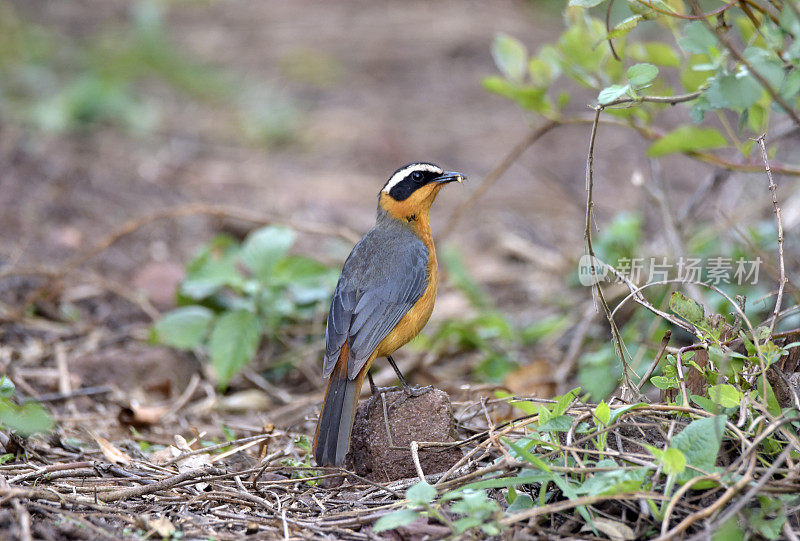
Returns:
(424, 418)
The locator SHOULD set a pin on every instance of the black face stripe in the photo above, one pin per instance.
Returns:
(414, 180)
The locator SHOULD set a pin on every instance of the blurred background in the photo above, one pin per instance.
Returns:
(135, 133)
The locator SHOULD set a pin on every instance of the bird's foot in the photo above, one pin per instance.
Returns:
(382, 390)
(416, 390)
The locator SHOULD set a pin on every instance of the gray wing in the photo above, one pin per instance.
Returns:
(380, 282)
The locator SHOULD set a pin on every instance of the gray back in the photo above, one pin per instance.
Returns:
(383, 277)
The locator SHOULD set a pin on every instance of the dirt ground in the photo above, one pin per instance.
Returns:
(374, 85)
(402, 84)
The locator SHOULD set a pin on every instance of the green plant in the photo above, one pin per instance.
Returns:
(734, 59)
(479, 512)
(235, 293)
(302, 469)
(26, 419)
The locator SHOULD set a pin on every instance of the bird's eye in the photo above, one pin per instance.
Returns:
(417, 176)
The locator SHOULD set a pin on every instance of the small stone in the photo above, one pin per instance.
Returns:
(424, 418)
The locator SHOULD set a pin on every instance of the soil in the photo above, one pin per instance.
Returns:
(371, 86)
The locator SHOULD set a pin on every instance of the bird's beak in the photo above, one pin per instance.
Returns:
(451, 176)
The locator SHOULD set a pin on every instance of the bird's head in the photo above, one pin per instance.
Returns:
(411, 190)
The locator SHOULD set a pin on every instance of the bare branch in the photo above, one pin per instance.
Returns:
(773, 188)
(497, 172)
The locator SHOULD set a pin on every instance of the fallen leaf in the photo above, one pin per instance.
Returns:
(112, 454)
(192, 462)
(164, 455)
(162, 527)
(616, 531)
(181, 443)
(244, 401)
(534, 379)
(140, 416)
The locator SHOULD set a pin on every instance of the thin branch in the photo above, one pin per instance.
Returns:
(163, 484)
(497, 172)
(670, 100)
(577, 502)
(681, 378)
(713, 508)
(717, 11)
(773, 188)
(759, 352)
(661, 349)
(608, 30)
(587, 235)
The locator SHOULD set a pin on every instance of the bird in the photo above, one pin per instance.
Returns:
(383, 299)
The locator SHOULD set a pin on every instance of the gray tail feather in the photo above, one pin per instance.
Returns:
(336, 419)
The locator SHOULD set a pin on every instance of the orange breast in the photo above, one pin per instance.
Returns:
(415, 319)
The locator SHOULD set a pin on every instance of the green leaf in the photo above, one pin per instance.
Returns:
(687, 139)
(299, 270)
(213, 269)
(697, 38)
(27, 419)
(625, 26)
(656, 53)
(729, 531)
(563, 402)
(705, 403)
(616, 412)
(522, 502)
(527, 455)
(767, 64)
(264, 247)
(524, 478)
(612, 93)
(396, 519)
(474, 502)
(422, 493)
(791, 85)
(674, 461)
(759, 518)
(562, 423)
(696, 73)
(510, 56)
(528, 97)
(614, 482)
(544, 414)
(700, 442)
(233, 343)
(580, 56)
(7, 387)
(664, 383)
(689, 309)
(725, 395)
(733, 91)
(602, 413)
(184, 327)
(527, 407)
(641, 74)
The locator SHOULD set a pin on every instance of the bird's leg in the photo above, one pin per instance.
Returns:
(374, 389)
(410, 391)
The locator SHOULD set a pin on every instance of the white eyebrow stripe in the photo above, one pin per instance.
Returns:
(404, 172)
